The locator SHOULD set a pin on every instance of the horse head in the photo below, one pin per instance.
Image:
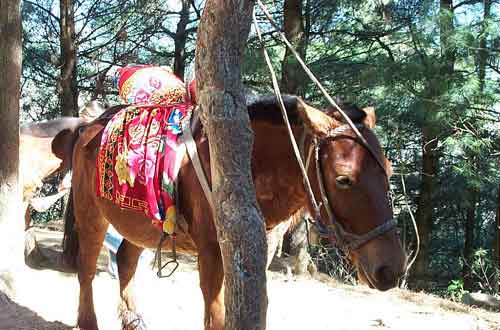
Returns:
(350, 177)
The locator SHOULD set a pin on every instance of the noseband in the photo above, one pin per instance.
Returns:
(345, 239)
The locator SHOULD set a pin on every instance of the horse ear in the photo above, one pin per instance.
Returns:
(315, 120)
(370, 119)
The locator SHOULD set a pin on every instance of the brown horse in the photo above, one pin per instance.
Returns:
(355, 183)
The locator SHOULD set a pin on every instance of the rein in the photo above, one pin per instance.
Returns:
(344, 238)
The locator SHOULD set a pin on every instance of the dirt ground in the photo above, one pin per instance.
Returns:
(48, 298)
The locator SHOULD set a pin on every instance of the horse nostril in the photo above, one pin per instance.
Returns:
(343, 182)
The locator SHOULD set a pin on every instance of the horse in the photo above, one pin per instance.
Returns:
(352, 177)
(37, 162)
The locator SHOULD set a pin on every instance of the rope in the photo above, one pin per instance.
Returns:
(332, 102)
(414, 222)
(316, 81)
(277, 91)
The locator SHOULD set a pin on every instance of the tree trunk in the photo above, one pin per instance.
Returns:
(496, 247)
(11, 224)
(470, 222)
(424, 214)
(68, 92)
(99, 92)
(447, 29)
(293, 76)
(222, 36)
(483, 51)
(180, 40)
(430, 138)
(292, 81)
(473, 192)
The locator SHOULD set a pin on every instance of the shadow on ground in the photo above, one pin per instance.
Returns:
(14, 316)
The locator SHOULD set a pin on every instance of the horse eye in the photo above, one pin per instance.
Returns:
(343, 182)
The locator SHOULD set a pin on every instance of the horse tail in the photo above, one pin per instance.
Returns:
(70, 238)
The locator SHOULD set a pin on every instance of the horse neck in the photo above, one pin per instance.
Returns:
(278, 180)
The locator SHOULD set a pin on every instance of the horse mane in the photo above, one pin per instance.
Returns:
(266, 108)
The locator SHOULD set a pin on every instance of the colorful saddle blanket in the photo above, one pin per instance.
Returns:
(138, 159)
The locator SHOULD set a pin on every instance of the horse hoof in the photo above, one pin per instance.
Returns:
(132, 321)
(87, 325)
(83, 327)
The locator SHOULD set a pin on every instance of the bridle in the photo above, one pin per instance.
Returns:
(344, 238)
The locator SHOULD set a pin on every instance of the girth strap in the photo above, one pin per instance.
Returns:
(192, 150)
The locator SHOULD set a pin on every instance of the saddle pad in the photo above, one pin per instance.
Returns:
(138, 160)
(149, 84)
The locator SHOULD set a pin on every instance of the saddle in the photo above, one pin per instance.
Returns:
(140, 150)
(138, 160)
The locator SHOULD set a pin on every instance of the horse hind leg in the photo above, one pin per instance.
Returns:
(127, 258)
(91, 229)
(212, 286)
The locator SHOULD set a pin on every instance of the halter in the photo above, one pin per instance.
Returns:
(345, 239)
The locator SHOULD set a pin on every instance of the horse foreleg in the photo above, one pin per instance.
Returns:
(127, 258)
(211, 283)
(91, 231)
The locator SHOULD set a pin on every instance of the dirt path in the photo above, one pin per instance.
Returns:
(49, 301)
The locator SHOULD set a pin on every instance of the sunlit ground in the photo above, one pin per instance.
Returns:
(176, 303)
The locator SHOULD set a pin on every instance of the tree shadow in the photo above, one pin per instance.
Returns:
(15, 316)
(43, 250)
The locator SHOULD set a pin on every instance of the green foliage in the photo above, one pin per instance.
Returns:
(456, 289)
(109, 34)
(484, 272)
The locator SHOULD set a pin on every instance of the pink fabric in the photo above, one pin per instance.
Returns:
(147, 84)
(138, 162)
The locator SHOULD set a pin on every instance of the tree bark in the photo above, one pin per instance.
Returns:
(424, 214)
(11, 225)
(430, 139)
(180, 40)
(222, 36)
(470, 221)
(293, 76)
(496, 246)
(99, 92)
(469, 231)
(68, 89)
(483, 51)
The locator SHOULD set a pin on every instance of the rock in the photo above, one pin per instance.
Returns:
(481, 300)
(32, 255)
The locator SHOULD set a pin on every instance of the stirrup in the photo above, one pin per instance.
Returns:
(173, 262)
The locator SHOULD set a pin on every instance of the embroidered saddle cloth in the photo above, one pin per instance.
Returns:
(138, 158)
